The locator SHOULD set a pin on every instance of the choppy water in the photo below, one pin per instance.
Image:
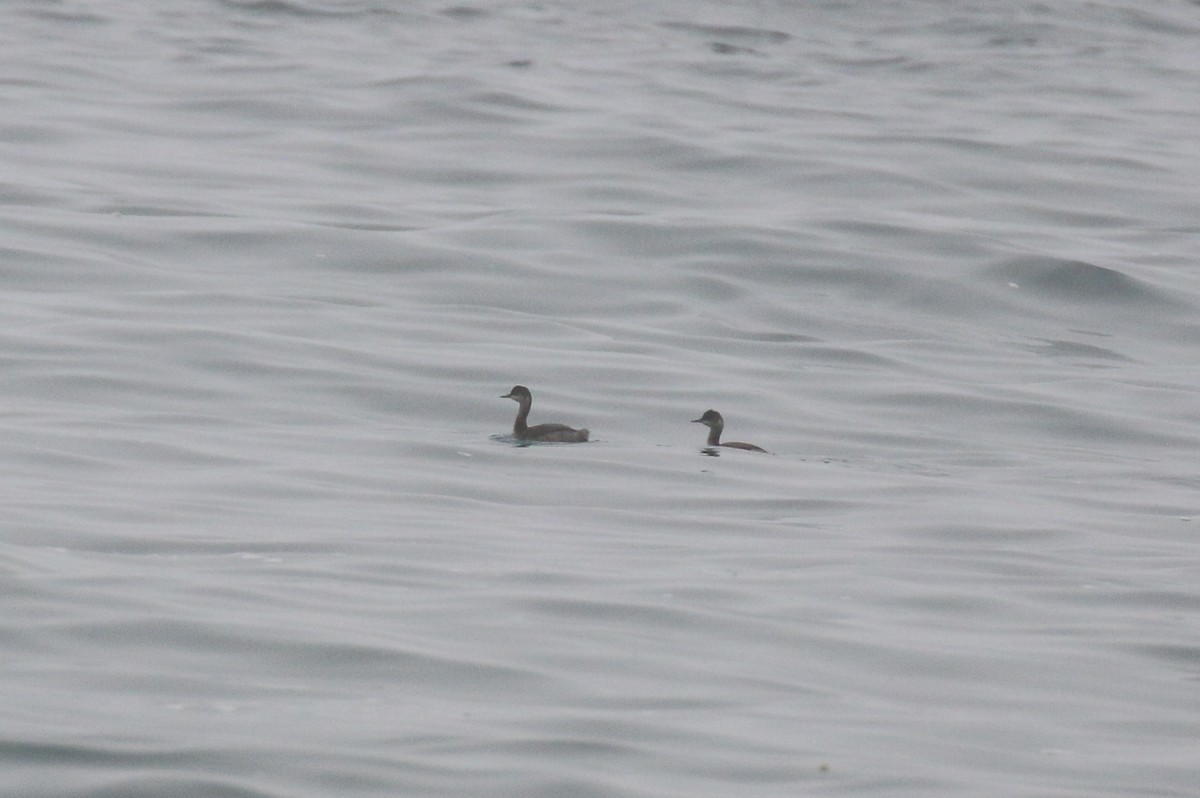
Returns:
(267, 268)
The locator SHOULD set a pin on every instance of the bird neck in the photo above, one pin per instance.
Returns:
(520, 425)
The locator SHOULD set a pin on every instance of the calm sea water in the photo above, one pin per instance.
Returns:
(267, 268)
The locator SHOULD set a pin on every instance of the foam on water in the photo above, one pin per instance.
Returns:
(268, 266)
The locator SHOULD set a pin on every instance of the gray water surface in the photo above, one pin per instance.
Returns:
(267, 268)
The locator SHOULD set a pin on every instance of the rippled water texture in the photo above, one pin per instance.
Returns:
(267, 268)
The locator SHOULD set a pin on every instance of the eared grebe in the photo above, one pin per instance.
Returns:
(558, 433)
(712, 419)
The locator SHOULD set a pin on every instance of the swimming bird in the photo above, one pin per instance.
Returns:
(712, 419)
(557, 433)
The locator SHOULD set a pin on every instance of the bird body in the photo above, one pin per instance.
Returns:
(548, 433)
(715, 423)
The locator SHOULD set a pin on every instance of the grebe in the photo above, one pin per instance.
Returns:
(712, 419)
(558, 433)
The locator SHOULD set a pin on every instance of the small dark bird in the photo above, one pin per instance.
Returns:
(712, 419)
(556, 433)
